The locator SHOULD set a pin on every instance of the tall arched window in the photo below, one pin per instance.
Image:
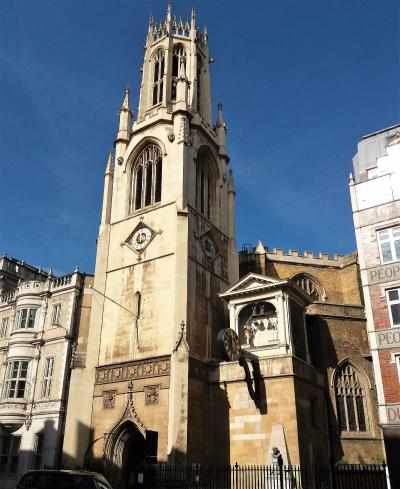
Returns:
(147, 178)
(178, 57)
(350, 399)
(309, 286)
(204, 186)
(158, 76)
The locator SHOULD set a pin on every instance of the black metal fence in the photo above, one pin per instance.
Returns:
(352, 476)
(164, 476)
(196, 476)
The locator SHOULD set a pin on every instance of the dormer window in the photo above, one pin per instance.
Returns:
(178, 57)
(158, 76)
(147, 178)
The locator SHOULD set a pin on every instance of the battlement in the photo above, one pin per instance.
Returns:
(248, 252)
(306, 254)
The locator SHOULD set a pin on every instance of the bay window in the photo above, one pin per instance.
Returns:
(25, 318)
(15, 386)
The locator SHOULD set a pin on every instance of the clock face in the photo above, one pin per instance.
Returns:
(229, 343)
(208, 247)
(141, 238)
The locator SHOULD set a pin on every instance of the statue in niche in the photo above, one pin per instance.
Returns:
(261, 328)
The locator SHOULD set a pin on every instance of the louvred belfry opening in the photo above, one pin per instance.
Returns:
(147, 178)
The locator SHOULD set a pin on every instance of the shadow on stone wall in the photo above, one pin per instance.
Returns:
(323, 356)
(44, 452)
(219, 425)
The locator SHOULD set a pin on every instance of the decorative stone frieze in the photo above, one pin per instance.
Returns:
(133, 370)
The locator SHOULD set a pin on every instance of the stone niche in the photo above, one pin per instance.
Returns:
(258, 324)
(268, 315)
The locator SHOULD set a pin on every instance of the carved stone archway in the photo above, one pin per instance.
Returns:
(126, 449)
(125, 446)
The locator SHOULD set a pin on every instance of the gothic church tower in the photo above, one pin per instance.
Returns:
(166, 249)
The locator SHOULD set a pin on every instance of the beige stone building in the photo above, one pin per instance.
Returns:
(337, 354)
(181, 360)
(38, 316)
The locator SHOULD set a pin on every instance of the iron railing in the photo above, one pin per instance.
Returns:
(353, 476)
(196, 476)
(163, 476)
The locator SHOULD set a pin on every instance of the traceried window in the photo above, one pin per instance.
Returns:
(147, 178)
(16, 380)
(9, 452)
(25, 318)
(350, 400)
(3, 327)
(47, 376)
(56, 314)
(204, 186)
(389, 244)
(158, 76)
(178, 57)
(393, 299)
(308, 285)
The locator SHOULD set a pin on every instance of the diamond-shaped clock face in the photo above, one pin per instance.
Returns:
(208, 246)
(141, 238)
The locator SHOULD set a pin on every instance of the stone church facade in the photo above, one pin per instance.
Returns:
(180, 349)
(186, 357)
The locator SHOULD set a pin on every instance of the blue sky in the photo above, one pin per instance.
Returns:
(301, 82)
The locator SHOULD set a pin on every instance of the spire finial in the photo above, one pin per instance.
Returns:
(231, 183)
(109, 167)
(193, 16)
(259, 250)
(125, 103)
(205, 34)
(220, 119)
(169, 11)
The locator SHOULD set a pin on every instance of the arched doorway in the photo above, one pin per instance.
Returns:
(125, 451)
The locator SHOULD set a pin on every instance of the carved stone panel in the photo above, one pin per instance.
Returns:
(133, 370)
(151, 393)
(109, 399)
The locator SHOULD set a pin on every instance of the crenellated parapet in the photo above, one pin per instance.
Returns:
(247, 255)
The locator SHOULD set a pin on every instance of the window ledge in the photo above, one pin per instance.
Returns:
(24, 330)
(143, 210)
(383, 263)
(358, 436)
